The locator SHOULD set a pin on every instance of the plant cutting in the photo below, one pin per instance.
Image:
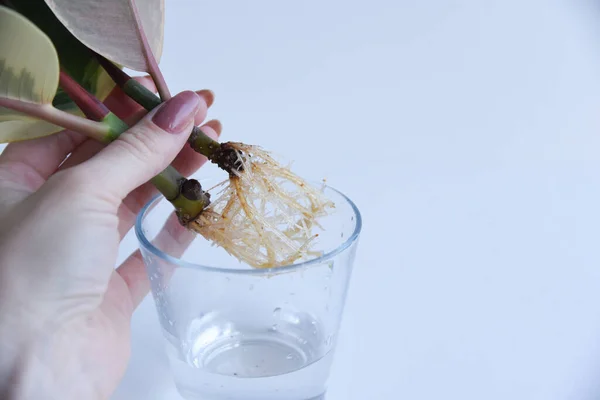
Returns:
(263, 213)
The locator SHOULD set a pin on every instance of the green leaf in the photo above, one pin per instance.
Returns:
(29, 67)
(115, 29)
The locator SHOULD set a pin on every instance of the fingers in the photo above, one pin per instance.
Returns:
(173, 239)
(146, 148)
(131, 113)
(138, 113)
(211, 127)
(33, 161)
(209, 95)
(187, 162)
(123, 107)
(83, 152)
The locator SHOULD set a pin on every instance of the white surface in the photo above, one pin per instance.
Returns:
(468, 132)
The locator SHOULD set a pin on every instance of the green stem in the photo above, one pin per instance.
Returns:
(169, 183)
(141, 94)
(91, 107)
(198, 140)
(203, 143)
(116, 125)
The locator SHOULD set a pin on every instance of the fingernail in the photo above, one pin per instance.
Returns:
(215, 124)
(177, 112)
(208, 95)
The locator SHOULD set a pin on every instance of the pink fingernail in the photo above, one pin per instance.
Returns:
(177, 112)
(208, 95)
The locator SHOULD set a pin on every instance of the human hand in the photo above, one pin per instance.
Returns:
(64, 310)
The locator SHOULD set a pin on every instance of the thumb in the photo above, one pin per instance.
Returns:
(146, 148)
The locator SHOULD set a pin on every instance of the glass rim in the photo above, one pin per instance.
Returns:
(146, 244)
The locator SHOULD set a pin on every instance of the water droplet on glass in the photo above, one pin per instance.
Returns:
(274, 327)
(277, 312)
(170, 322)
(289, 356)
(313, 322)
(328, 340)
(326, 287)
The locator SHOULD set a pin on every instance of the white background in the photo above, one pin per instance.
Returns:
(468, 132)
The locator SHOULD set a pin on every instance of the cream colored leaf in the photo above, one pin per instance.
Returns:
(28, 63)
(6, 114)
(15, 131)
(110, 27)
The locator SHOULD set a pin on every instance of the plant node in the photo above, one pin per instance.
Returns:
(191, 189)
(228, 158)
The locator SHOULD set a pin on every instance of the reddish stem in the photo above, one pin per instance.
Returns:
(151, 64)
(92, 107)
(46, 112)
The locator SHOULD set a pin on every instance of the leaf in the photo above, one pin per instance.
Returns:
(24, 76)
(29, 67)
(15, 131)
(75, 58)
(110, 27)
(29, 77)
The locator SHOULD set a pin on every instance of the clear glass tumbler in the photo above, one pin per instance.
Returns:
(239, 333)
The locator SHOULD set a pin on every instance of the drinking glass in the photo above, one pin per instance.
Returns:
(237, 333)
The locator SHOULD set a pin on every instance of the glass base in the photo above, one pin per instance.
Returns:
(194, 396)
(256, 366)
